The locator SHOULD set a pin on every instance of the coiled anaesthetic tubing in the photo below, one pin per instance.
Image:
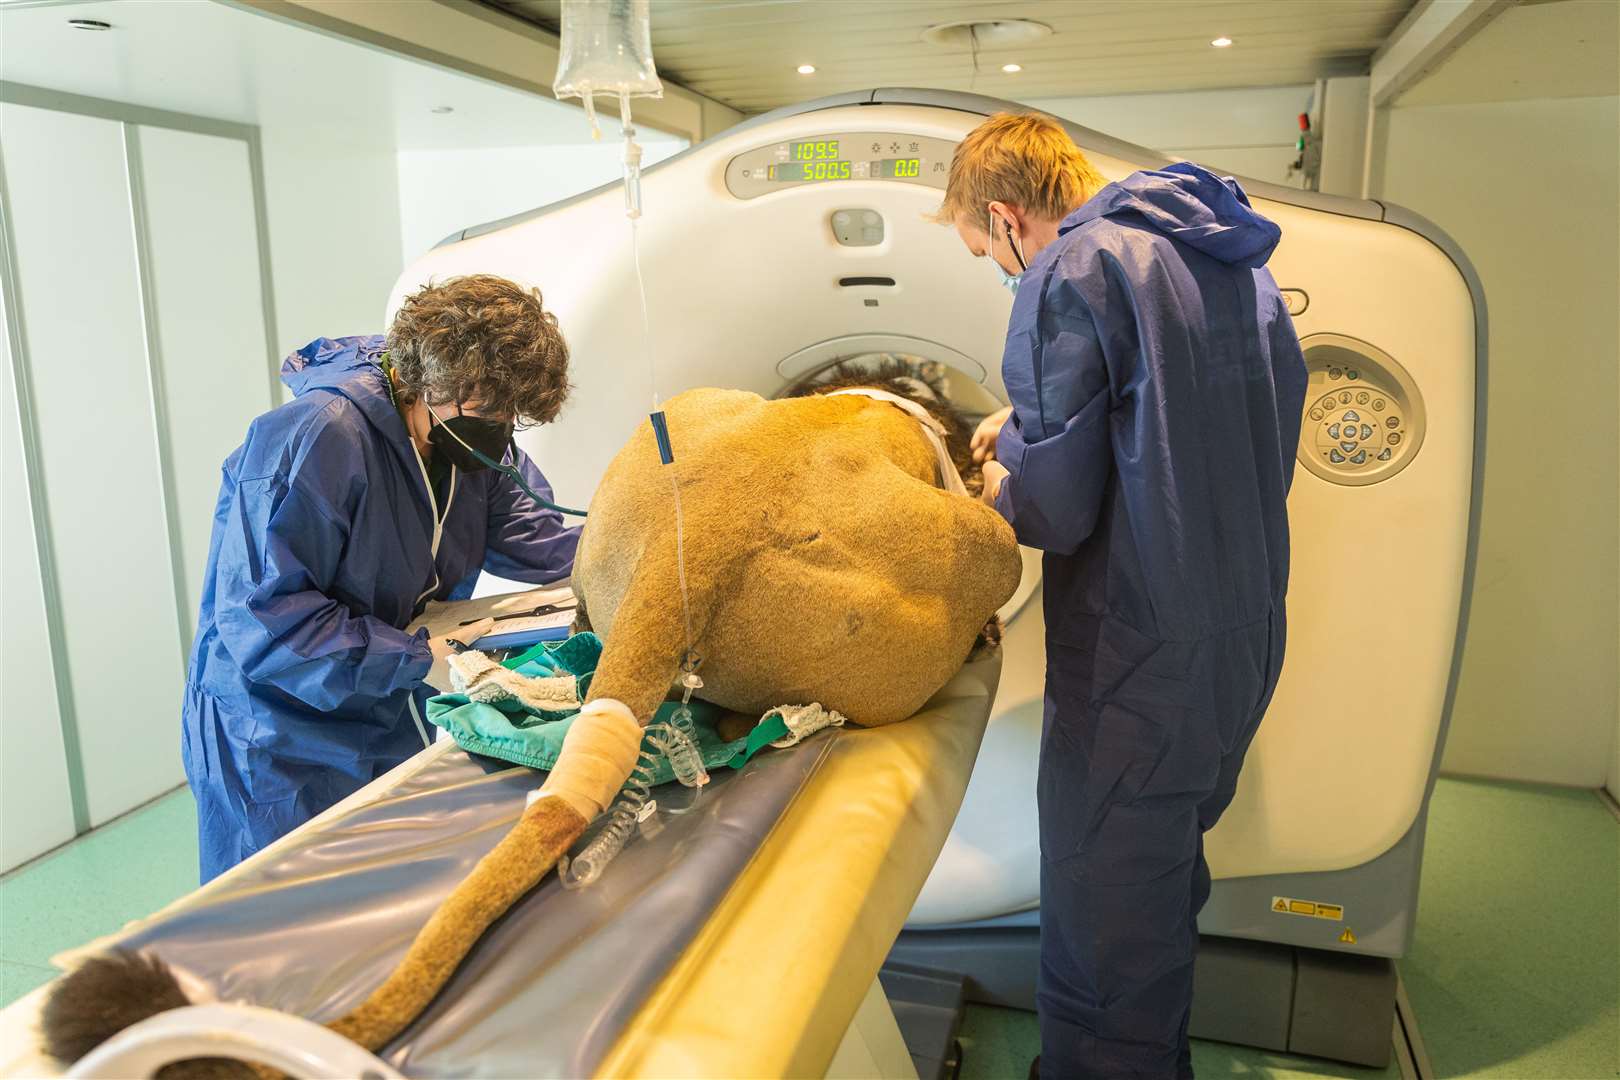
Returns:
(633, 805)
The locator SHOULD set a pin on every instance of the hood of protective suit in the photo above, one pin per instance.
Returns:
(347, 366)
(1189, 204)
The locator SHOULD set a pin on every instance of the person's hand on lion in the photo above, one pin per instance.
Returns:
(984, 436)
(994, 474)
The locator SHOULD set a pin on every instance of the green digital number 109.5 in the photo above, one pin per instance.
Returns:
(815, 151)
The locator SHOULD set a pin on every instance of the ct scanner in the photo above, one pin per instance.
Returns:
(801, 237)
(772, 251)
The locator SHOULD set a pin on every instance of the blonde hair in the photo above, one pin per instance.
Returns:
(1022, 159)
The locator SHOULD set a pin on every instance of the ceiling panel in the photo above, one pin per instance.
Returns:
(230, 63)
(745, 52)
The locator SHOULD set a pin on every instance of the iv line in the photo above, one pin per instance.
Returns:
(632, 197)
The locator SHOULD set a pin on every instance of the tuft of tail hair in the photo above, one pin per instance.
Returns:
(103, 996)
(108, 993)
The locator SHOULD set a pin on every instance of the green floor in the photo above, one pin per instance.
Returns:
(92, 886)
(1514, 973)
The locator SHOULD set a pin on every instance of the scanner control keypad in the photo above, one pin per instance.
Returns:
(1361, 413)
(1353, 428)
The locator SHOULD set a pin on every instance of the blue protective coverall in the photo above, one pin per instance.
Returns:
(1157, 385)
(303, 685)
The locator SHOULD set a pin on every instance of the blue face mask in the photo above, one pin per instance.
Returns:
(1008, 281)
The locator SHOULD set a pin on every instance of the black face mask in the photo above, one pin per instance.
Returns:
(457, 437)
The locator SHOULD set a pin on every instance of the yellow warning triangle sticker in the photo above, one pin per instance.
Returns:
(1280, 905)
(1348, 937)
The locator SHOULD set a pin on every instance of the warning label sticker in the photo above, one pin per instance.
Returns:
(1285, 905)
(1348, 937)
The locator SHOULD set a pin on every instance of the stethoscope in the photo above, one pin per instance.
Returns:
(509, 471)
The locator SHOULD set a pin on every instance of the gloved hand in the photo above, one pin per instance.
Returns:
(984, 436)
(463, 635)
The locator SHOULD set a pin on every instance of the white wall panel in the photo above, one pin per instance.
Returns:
(36, 811)
(1529, 189)
(203, 261)
(333, 208)
(441, 191)
(1250, 132)
(77, 279)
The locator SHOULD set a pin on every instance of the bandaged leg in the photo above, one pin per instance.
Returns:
(803, 721)
(482, 679)
(597, 755)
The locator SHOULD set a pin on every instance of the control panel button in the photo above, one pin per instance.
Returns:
(1365, 405)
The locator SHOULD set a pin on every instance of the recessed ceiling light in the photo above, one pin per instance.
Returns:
(89, 24)
(443, 109)
(1012, 69)
(1222, 42)
(807, 69)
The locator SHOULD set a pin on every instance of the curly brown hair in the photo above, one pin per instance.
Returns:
(482, 339)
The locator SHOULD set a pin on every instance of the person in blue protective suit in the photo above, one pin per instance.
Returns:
(339, 517)
(1156, 384)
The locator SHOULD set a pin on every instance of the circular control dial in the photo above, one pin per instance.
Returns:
(1363, 415)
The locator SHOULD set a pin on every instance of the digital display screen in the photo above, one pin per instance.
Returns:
(811, 170)
(889, 169)
(815, 150)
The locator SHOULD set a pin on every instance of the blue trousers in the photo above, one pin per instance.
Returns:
(1141, 747)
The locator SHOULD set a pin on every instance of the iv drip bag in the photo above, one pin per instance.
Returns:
(606, 49)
